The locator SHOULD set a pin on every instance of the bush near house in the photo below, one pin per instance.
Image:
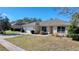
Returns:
(73, 28)
(75, 37)
(43, 33)
(1, 32)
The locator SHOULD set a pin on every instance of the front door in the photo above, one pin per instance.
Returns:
(51, 30)
(44, 29)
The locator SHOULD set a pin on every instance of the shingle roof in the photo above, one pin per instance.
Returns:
(54, 23)
(18, 25)
(49, 23)
(30, 24)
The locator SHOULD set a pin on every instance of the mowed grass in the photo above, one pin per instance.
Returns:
(9, 32)
(45, 43)
(3, 48)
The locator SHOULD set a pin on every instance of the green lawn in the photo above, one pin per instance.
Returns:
(11, 32)
(45, 43)
(3, 48)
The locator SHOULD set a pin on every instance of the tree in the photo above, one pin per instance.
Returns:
(75, 19)
(36, 20)
(66, 11)
(4, 23)
(73, 28)
(29, 20)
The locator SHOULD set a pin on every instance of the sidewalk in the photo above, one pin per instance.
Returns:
(10, 46)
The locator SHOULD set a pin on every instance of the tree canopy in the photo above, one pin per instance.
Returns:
(73, 29)
(4, 23)
(29, 20)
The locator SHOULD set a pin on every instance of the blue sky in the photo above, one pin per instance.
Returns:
(45, 13)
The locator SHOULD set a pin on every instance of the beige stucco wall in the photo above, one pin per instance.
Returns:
(66, 31)
(54, 30)
(48, 30)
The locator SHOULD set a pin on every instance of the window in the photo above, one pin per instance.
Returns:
(60, 29)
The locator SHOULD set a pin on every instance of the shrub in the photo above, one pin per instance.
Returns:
(32, 31)
(73, 28)
(74, 36)
(73, 32)
(2, 32)
(43, 33)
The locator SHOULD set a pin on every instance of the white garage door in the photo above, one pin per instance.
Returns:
(29, 29)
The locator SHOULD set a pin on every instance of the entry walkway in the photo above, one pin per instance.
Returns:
(9, 46)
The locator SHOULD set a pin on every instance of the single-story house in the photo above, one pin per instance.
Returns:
(18, 26)
(51, 27)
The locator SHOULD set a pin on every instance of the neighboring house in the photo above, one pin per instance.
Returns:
(51, 27)
(18, 26)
